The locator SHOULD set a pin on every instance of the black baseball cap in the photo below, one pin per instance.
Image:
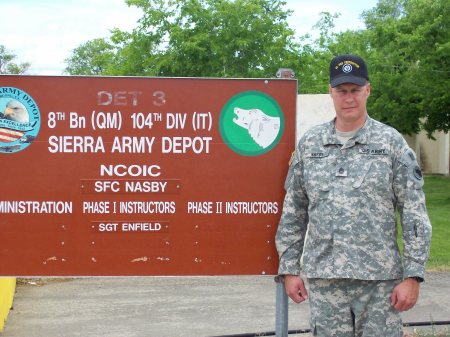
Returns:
(348, 69)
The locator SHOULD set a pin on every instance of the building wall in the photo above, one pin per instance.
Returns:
(313, 110)
(434, 154)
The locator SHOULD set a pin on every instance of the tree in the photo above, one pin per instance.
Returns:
(9, 67)
(215, 38)
(409, 58)
(407, 47)
(315, 56)
(91, 58)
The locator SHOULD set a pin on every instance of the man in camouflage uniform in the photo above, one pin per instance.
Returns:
(345, 181)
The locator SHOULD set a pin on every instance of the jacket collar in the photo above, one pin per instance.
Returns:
(362, 137)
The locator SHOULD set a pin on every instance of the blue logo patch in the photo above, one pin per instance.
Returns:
(20, 120)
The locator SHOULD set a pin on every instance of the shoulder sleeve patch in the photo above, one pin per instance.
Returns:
(417, 172)
(292, 163)
(408, 159)
(416, 175)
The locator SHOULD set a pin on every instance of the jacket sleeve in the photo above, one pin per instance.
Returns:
(416, 226)
(293, 223)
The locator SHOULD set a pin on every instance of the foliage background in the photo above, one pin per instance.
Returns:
(406, 44)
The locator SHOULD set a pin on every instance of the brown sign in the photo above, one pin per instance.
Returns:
(142, 176)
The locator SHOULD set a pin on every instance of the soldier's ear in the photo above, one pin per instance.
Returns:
(368, 89)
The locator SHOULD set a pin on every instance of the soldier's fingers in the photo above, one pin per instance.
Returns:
(302, 291)
(297, 298)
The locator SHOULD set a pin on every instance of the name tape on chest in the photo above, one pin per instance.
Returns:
(316, 153)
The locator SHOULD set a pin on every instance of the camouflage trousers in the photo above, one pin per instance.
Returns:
(353, 308)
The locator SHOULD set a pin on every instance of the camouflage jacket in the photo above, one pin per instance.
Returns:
(346, 197)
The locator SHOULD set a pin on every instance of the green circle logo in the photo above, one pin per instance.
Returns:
(251, 123)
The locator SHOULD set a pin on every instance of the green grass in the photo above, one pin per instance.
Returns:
(437, 194)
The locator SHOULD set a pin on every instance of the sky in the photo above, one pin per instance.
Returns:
(45, 32)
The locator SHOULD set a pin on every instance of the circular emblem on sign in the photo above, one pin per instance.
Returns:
(251, 123)
(346, 68)
(20, 120)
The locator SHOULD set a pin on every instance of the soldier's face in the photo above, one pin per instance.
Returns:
(350, 103)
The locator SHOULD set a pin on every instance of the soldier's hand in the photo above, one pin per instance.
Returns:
(295, 288)
(405, 295)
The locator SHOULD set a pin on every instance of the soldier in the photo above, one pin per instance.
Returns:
(345, 182)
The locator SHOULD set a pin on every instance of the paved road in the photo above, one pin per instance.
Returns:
(174, 306)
